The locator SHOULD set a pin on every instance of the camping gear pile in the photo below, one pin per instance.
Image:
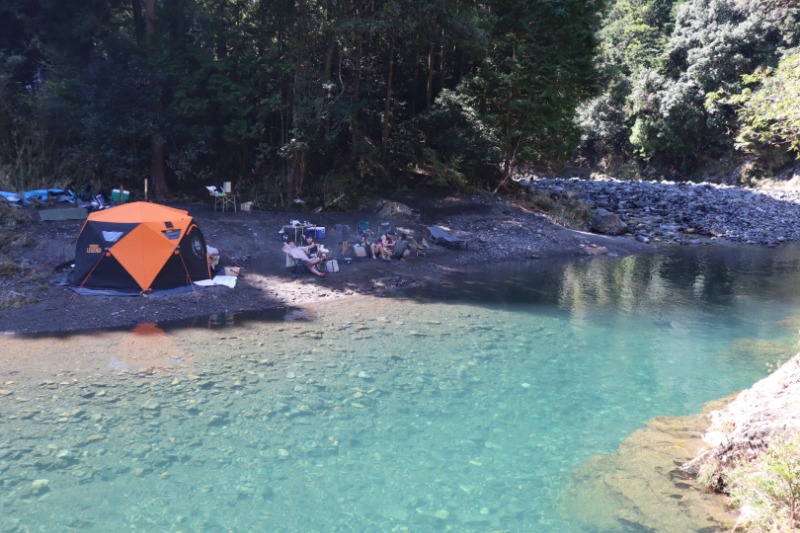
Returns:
(50, 197)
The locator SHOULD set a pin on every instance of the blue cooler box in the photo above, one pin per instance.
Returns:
(317, 232)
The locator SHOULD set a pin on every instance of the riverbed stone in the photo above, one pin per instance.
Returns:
(735, 214)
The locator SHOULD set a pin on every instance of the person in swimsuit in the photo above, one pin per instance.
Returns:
(383, 246)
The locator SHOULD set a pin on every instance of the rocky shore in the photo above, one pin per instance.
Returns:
(685, 213)
(741, 430)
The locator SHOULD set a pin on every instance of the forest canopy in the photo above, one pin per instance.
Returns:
(309, 99)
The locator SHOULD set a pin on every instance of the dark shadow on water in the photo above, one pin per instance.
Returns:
(229, 320)
(216, 321)
(708, 276)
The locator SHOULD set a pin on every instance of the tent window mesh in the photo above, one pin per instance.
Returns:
(172, 234)
(112, 236)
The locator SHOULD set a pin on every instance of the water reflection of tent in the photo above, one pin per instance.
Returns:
(139, 247)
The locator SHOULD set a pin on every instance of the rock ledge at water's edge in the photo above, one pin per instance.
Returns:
(743, 429)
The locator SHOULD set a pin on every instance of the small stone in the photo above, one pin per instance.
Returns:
(6, 392)
(442, 514)
(245, 489)
(39, 484)
(94, 438)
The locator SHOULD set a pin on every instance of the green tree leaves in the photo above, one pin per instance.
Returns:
(286, 93)
(538, 69)
(768, 110)
(668, 66)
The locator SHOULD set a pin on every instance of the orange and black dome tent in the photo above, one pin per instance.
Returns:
(138, 248)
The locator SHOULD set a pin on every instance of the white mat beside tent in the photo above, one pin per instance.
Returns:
(228, 281)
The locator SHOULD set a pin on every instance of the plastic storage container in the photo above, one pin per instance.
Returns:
(317, 232)
(116, 196)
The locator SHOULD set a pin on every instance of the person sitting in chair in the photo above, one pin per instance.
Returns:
(300, 253)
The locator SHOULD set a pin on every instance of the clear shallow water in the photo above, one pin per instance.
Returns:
(465, 408)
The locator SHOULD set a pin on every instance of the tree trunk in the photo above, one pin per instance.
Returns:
(387, 108)
(355, 101)
(297, 161)
(159, 166)
(429, 80)
(138, 19)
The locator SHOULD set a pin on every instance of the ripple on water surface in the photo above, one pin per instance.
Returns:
(365, 415)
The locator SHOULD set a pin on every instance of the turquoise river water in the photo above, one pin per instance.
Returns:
(499, 401)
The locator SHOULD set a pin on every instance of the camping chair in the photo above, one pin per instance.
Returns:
(224, 197)
(439, 235)
(420, 248)
(296, 266)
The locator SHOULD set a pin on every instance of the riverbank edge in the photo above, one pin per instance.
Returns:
(742, 431)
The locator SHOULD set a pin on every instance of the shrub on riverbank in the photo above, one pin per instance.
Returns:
(767, 490)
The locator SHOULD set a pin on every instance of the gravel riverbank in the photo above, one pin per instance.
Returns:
(684, 213)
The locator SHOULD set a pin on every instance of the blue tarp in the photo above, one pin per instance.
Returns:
(48, 196)
(11, 197)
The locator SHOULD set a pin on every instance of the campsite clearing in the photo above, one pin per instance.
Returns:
(250, 241)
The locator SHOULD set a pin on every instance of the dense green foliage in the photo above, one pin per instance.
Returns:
(770, 114)
(312, 98)
(303, 98)
(669, 70)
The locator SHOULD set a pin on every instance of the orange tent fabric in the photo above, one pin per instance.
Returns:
(139, 247)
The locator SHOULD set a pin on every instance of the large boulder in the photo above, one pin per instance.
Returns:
(395, 209)
(607, 223)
